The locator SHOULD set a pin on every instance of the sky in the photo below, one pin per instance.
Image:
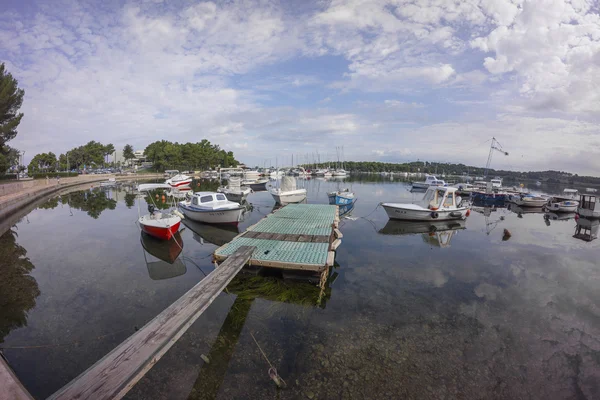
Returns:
(393, 81)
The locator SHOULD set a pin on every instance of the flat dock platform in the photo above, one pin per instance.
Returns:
(297, 236)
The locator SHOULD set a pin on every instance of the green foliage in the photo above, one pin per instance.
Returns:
(11, 98)
(44, 162)
(53, 175)
(8, 177)
(93, 202)
(202, 155)
(128, 152)
(108, 150)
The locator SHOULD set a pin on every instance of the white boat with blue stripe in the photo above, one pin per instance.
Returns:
(438, 204)
(211, 208)
(341, 198)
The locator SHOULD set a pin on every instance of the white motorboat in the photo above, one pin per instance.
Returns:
(565, 206)
(276, 174)
(251, 174)
(496, 182)
(211, 208)
(591, 190)
(256, 184)
(288, 192)
(327, 174)
(438, 204)
(340, 172)
(234, 191)
(430, 180)
(179, 180)
(588, 207)
(109, 182)
(527, 200)
(464, 189)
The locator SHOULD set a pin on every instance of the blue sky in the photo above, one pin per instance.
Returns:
(393, 80)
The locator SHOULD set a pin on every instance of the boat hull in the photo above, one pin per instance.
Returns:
(563, 208)
(159, 232)
(340, 200)
(283, 198)
(232, 216)
(403, 214)
(180, 184)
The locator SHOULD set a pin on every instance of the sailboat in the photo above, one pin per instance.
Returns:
(234, 191)
(340, 172)
(288, 192)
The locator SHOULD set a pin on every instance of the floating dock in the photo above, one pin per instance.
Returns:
(297, 236)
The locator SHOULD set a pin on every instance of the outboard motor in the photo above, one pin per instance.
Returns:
(151, 208)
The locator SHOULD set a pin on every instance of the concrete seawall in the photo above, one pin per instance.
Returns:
(22, 197)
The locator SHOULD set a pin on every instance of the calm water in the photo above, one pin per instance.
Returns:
(409, 313)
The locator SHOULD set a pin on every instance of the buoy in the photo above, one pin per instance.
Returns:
(468, 213)
(434, 215)
(506, 235)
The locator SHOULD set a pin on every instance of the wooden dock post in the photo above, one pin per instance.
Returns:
(117, 372)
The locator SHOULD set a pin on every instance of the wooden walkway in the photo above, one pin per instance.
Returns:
(10, 387)
(297, 236)
(115, 374)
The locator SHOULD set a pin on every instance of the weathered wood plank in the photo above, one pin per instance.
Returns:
(11, 387)
(336, 243)
(338, 233)
(117, 372)
(331, 258)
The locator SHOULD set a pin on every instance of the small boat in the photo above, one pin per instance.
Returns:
(234, 191)
(179, 180)
(327, 174)
(341, 198)
(591, 190)
(496, 182)
(565, 206)
(256, 184)
(438, 204)
(527, 200)
(538, 183)
(464, 189)
(339, 172)
(588, 207)
(109, 182)
(430, 180)
(161, 225)
(288, 192)
(251, 174)
(211, 208)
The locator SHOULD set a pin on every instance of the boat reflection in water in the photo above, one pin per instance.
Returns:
(524, 210)
(438, 234)
(215, 234)
(586, 229)
(346, 209)
(550, 216)
(169, 265)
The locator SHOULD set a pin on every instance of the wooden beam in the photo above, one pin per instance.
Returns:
(117, 372)
(12, 388)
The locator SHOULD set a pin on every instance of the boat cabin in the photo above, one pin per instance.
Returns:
(169, 173)
(436, 198)
(588, 206)
(496, 182)
(208, 199)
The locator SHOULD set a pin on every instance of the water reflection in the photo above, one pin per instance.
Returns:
(167, 252)
(437, 234)
(586, 229)
(524, 210)
(215, 234)
(93, 201)
(18, 288)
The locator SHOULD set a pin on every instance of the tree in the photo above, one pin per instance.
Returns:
(108, 149)
(43, 162)
(128, 152)
(11, 98)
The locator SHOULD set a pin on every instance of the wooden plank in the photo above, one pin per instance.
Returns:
(12, 388)
(331, 258)
(338, 233)
(117, 372)
(336, 243)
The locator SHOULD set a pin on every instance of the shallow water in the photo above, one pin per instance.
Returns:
(409, 312)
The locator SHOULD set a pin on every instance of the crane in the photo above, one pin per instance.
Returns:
(495, 146)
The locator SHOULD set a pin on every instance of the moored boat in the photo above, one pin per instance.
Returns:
(438, 204)
(430, 180)
(161, 225)
(341, 197)
(179, 180)
(211, 208)
(234, 191)
(256, 184)
(527, 200)
(565, 206)
(288, 192)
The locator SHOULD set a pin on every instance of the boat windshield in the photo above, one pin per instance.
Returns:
(433, 198)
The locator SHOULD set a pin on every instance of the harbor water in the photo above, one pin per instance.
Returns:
(505, 305)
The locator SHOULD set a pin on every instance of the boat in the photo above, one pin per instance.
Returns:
(527, 200)
(588, 207)
(591, 190)
(438, 233)
(341, 197)
(340, 172)
(438, 204)
(161, 225)
(327, 174)
(489, 197)
(538, 183)
(167, 252)
(234, 191)
(519, 210)
(464, 189)
(288, 192)
(565, 206)
(211, 208)
(109, 182)
(218, 235)
(430, 180)
(276, 174)
(586, 229)
(256, 184)
(251, 174)
(496, 182)
(179, 180)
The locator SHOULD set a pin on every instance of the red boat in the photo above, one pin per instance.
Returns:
(160, 225)
(179, 181)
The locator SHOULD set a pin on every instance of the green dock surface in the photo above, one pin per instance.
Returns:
(297, 236)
